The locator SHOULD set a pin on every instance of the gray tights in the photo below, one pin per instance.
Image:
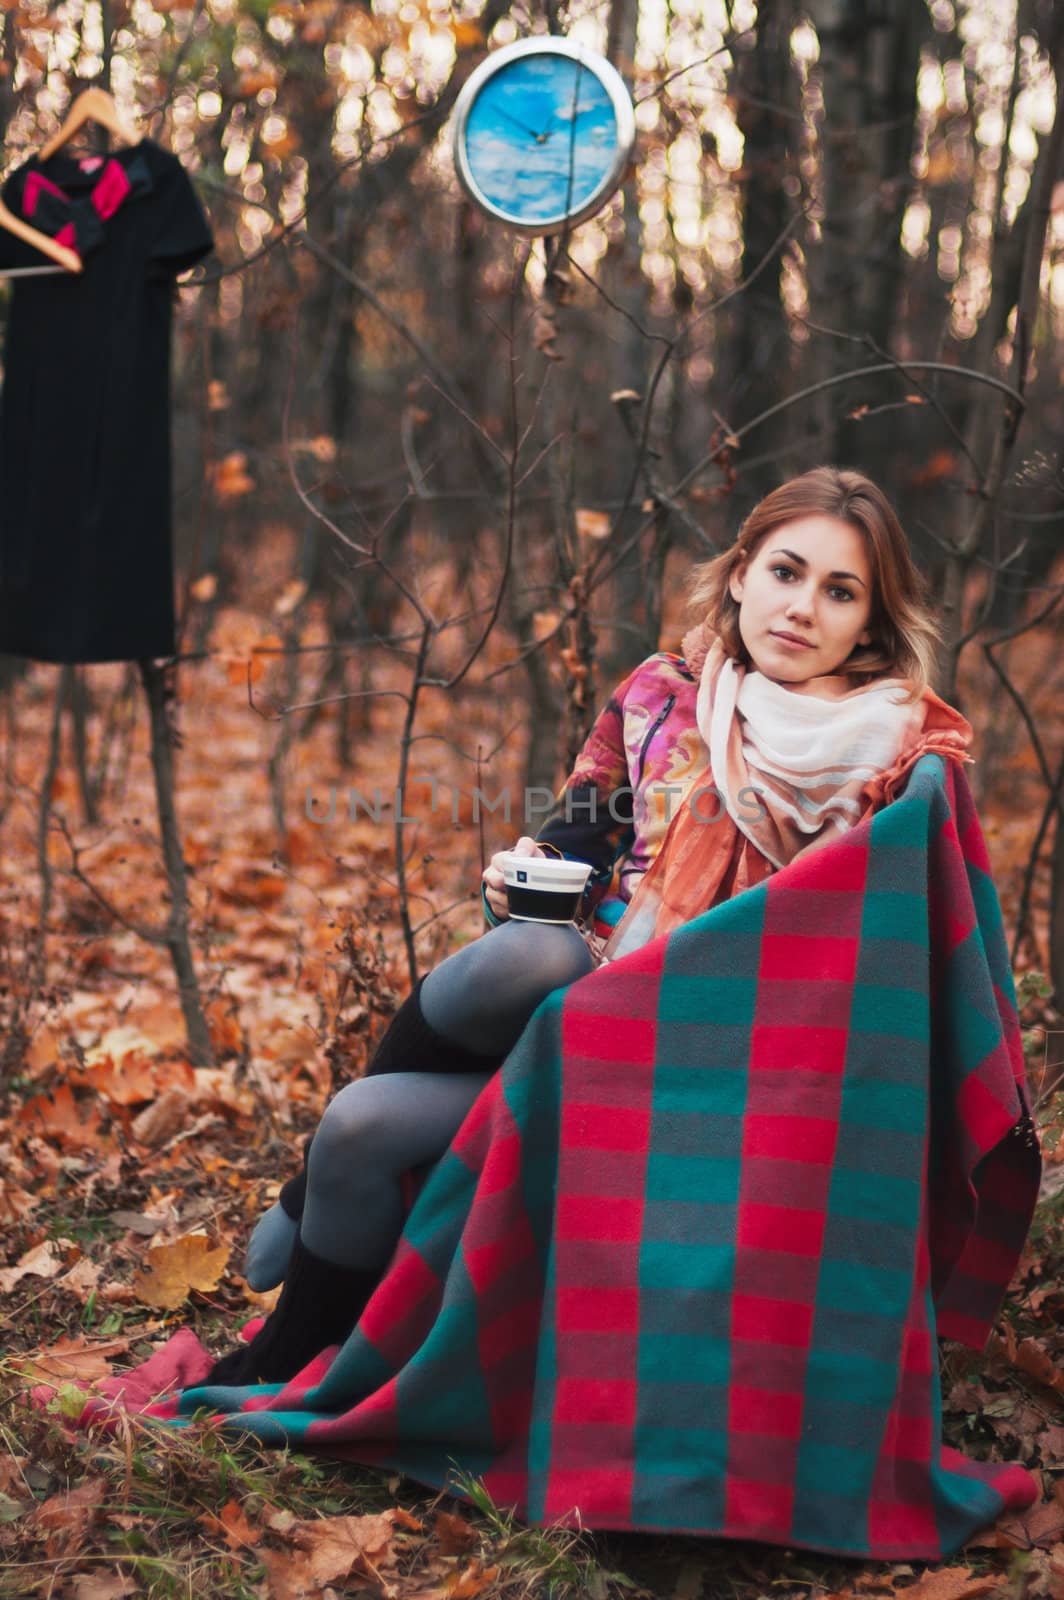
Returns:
(377, 1128)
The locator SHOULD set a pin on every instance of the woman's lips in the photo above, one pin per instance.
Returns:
(795, 643)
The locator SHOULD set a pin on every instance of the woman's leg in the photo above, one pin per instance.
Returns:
(371, 1133)
(465, 1016)
(397, 1117)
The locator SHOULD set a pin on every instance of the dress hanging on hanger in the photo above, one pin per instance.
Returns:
(86, 569)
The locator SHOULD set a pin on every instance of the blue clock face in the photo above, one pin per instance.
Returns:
(541, 138)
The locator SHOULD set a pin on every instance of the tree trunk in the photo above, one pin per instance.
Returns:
(1056, 917)
(869, 67)
(758, 353)
(626, 284)
(177, 936)
(970, 542)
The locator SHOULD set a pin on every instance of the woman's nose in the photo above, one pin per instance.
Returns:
(800, 603)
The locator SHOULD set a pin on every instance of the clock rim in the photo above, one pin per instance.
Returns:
(624, 117)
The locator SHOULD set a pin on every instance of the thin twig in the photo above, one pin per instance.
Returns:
(143, 930)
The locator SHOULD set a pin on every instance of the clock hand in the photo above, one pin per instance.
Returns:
(539, 137)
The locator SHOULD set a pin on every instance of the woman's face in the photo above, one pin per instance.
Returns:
(805, 599)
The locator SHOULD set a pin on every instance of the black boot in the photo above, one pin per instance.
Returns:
(410, 1044)
(319, 1305)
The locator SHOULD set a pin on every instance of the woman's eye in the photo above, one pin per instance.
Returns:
(785, 574)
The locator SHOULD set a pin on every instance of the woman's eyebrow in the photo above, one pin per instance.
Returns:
(800, 561)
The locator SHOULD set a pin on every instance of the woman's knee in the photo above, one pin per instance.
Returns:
(357, 1125)
(483, 996)
(549, 956)
(537, 955)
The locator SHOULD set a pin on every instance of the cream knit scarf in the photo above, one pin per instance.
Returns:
(807, 756)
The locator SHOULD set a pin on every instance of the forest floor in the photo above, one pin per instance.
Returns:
(129, 1178)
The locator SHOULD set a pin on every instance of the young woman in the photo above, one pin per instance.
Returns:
(799, 703)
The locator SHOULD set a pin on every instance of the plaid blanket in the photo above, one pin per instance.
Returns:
(684, 1266)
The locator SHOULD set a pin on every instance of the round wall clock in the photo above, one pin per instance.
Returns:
(543, 130)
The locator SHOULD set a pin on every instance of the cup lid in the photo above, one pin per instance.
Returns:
(543, 872)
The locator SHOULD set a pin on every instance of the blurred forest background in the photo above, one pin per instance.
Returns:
(437, 489)
(842, 240)
(443, 463)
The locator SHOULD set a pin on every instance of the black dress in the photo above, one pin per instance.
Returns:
(86, 569)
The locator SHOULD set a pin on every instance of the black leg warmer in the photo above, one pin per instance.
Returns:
(319, 1305)
(409, 1044)
(412, 1044)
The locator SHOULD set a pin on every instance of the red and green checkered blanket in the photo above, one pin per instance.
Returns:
(685, 1264)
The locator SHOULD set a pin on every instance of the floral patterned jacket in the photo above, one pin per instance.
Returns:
(615, 807)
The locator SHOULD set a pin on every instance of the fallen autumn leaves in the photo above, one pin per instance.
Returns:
(129, 1179)
(155, 1509)
(391, 1553)
(174, 1270)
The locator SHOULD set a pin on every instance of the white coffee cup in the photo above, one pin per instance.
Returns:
(542, 888)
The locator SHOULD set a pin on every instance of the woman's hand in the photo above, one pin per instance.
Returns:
(493, 880)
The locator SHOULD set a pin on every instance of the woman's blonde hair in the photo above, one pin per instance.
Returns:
(904, 632)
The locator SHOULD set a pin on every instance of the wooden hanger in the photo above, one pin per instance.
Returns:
(40, 241)
(93, 105)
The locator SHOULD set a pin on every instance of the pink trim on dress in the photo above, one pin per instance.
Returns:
(35, 186)
(111, 190)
